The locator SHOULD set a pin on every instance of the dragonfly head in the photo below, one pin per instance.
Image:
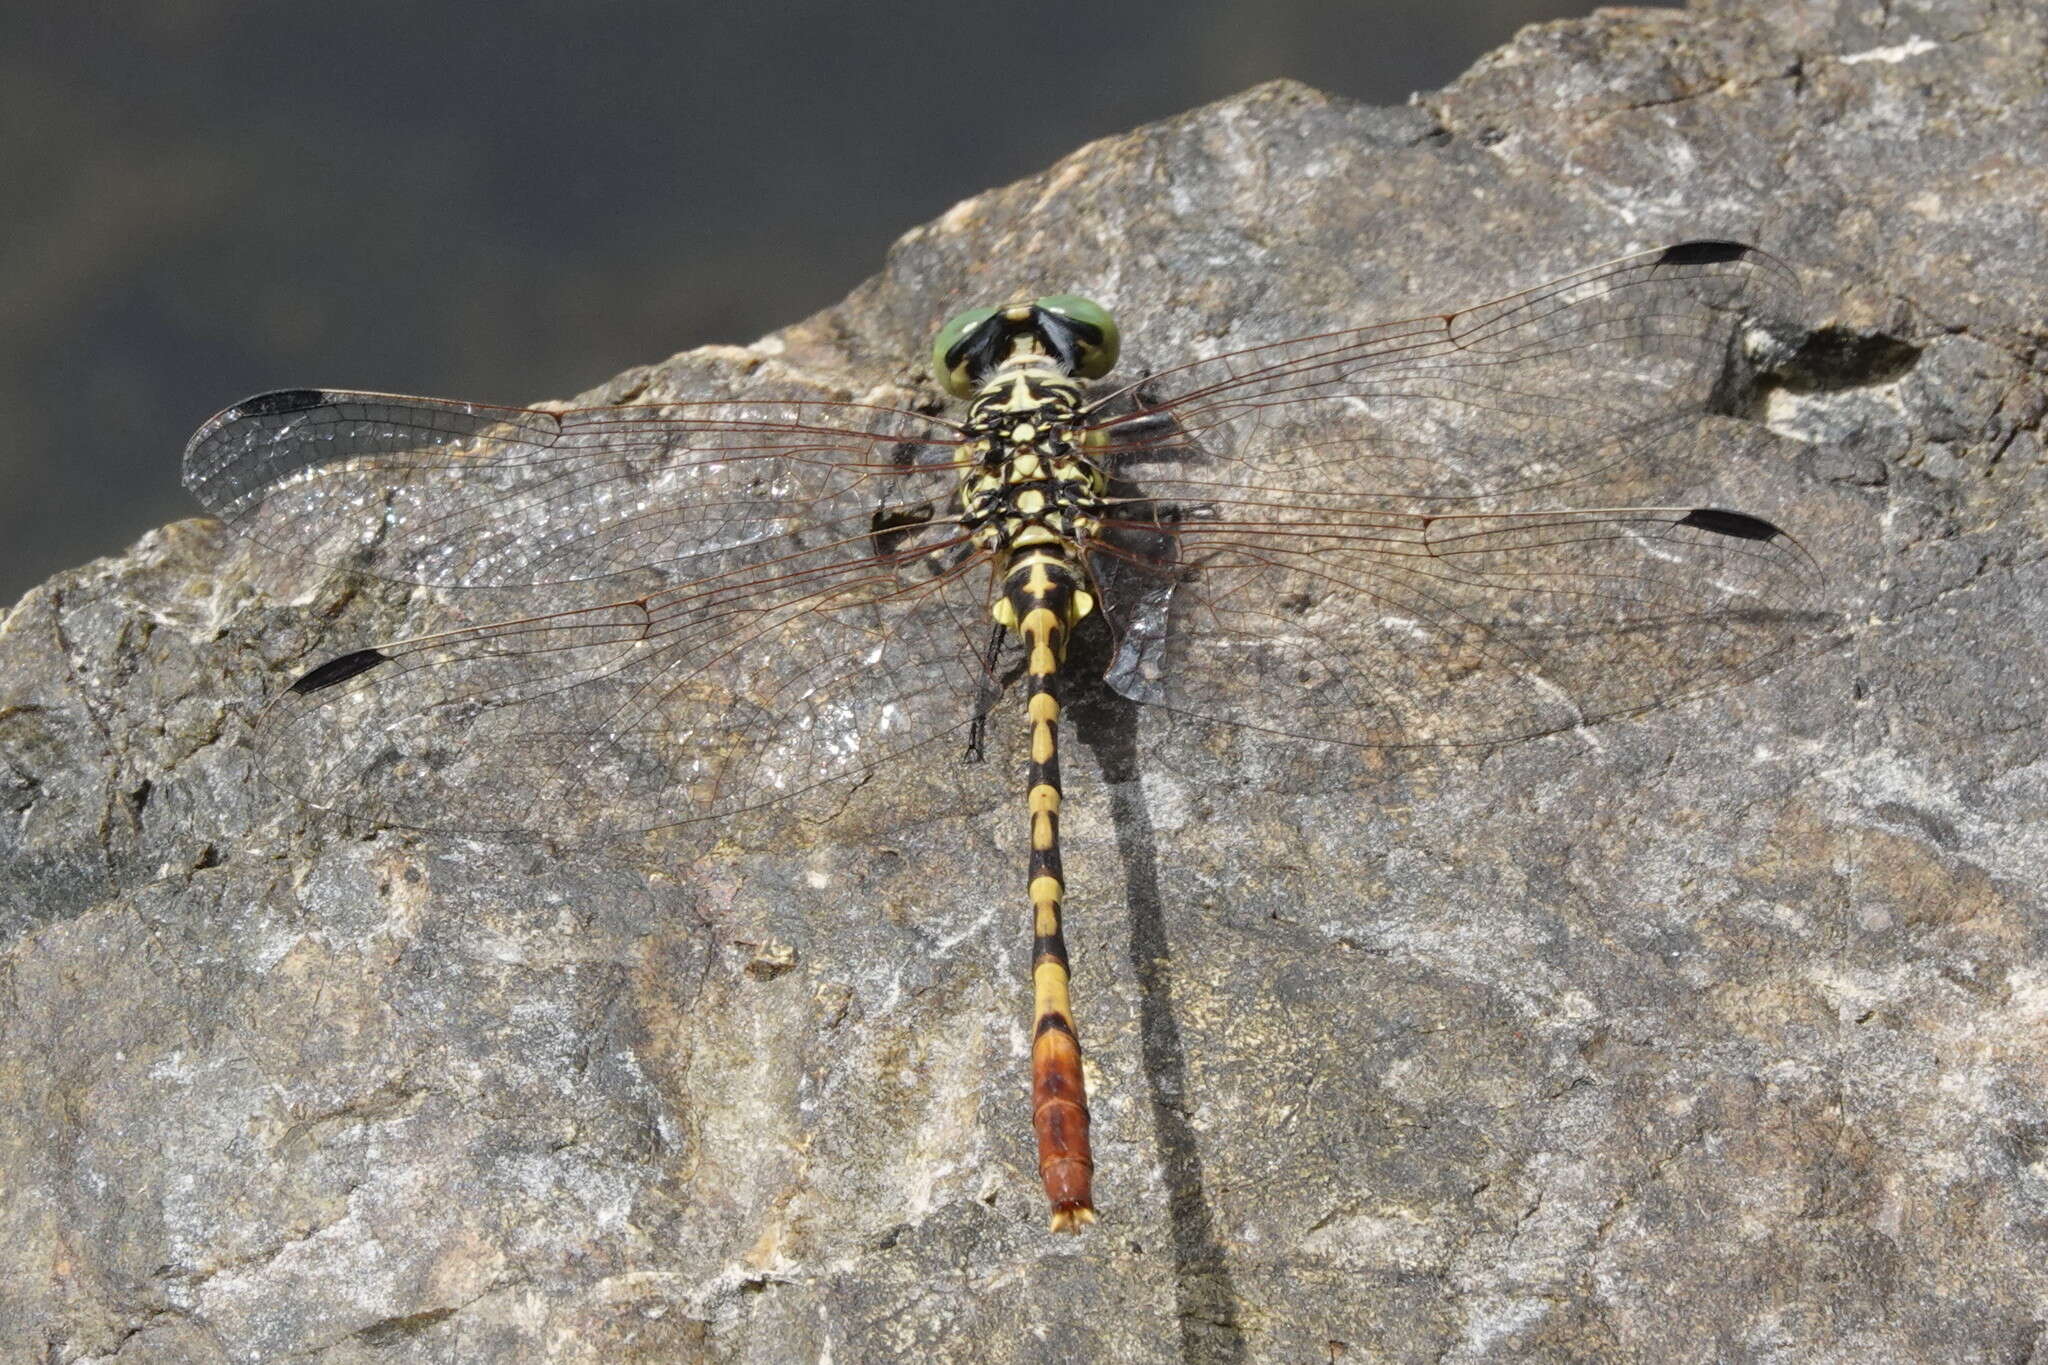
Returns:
(1073, 334)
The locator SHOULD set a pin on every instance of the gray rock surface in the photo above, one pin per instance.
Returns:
(1714, 1035)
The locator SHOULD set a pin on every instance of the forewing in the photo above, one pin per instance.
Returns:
(1545, 388)
(453, 494)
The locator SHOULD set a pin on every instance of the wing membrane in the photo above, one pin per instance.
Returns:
(1366, 536)
(699, 701)
(1542, 388)
(800, 609)
(1362, 536)
(452, 494)
(1477, 628)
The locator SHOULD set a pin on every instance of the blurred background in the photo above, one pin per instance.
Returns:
(206, 198)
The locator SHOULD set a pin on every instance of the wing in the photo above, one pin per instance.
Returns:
(1460, 528)
(453, 494)
(703, 700)
(724, 603)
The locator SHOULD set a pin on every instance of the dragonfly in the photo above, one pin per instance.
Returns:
(1435, 533)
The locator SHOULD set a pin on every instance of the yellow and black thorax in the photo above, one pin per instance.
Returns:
(1030, 493)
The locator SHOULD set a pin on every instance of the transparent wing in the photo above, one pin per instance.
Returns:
(798, 607)
(1542, 388)
(453, 494)
(1352, 536)
(1460, 528)
(704, 699)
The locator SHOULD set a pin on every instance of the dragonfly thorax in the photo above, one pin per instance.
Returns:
(1024, 480)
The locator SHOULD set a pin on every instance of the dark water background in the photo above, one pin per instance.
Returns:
(204, 199)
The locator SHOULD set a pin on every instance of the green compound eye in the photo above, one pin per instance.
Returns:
(1095, 335)
(951, 371)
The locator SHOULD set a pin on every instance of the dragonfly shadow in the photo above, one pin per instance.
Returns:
(1106, 724)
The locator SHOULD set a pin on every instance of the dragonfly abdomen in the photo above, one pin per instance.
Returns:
(1043, 599)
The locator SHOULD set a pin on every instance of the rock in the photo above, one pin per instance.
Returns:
(1712, 1034)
